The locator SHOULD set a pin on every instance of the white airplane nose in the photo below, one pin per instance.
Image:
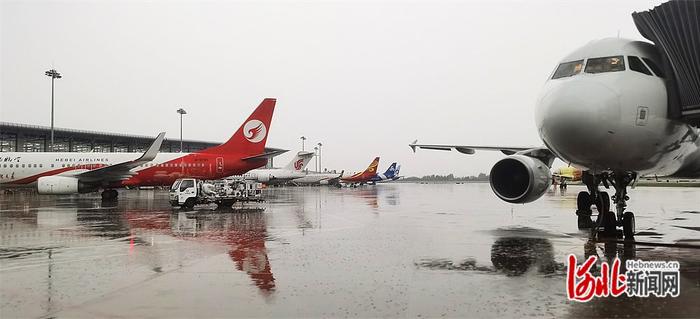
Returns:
(577, 116)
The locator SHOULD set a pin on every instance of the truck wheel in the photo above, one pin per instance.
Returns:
(189, 203)
(225, 204)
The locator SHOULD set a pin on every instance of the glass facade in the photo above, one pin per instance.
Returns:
(81, 146)
(8, 142)
(102, 146)
(61, 144)
(33, 144)
(120, 148)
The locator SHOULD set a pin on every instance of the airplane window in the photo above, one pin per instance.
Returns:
(568, 69)
(41, 165)
(22, 165)
(605, 64)
(10, 165)
(4, 165)
(637, 65)
(654, 67)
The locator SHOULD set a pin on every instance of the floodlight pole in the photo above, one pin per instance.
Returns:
(316, 157)
(54, 75)
(320, 168)
(181, 111)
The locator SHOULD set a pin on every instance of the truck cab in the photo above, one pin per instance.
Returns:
(182, 190)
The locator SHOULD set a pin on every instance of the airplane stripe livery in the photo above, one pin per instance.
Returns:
(68, 173)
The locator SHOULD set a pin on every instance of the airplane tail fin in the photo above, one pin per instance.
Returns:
(251, 137)
(300, 161)
(372, 168)
(391, 171)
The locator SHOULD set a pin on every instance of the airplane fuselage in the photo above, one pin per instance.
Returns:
(273, 175)
(615, 120)
(316, 178)
(19, 169)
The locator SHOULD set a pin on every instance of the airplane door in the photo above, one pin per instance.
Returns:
(219, 164)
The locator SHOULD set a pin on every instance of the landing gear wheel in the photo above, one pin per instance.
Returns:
(628, 225)
(609, 224)
(603, 202)
(583, 210)
(584, 222)
(583, 203)
(109, 194)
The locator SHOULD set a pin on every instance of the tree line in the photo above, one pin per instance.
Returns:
(447, 178)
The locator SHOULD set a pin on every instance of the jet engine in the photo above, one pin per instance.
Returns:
(520, 179)
(61, 185)
(263, 178)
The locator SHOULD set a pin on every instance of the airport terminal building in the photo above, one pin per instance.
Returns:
(15, 137)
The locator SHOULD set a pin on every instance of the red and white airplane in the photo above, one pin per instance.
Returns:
(362, 177)
(70, 173)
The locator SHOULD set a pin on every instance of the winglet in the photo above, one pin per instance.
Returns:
(153, 150)
(413, 145)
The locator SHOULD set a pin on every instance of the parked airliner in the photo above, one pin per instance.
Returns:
(313, 178)
(273, 176)
(391, 174)
(69, 173)
(603, 110)
(364, 176)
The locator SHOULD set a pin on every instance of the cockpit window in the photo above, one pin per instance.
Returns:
(637, 65)
(605, 64)
(652, 65)
(568, 69)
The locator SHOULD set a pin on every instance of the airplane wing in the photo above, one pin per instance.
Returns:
(121, 171)
(541, 152)
(468, 149)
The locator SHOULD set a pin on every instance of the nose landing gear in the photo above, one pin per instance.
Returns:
(110, 194)
(607, 221)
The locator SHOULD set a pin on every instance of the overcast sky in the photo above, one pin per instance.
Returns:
(363, 78)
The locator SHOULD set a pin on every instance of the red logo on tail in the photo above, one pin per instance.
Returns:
(254, 131)
(298, 164)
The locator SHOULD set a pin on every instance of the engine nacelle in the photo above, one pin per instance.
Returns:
(57, 185)
(520, 179)
(263, 178)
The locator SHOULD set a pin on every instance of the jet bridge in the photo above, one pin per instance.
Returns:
(674, 27)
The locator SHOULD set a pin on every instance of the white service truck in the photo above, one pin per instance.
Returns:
(187, 192)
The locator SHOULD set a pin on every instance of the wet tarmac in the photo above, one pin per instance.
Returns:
(396, 250)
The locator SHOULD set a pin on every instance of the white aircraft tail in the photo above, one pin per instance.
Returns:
(300, 161)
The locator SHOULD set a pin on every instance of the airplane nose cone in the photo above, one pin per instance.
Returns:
(576, 118)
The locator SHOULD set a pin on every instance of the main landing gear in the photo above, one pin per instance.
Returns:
(607, 221)
(110, 194)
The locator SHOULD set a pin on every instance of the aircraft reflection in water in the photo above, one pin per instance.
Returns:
(244, 231)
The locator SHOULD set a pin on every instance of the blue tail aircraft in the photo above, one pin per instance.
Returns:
(391, 174)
